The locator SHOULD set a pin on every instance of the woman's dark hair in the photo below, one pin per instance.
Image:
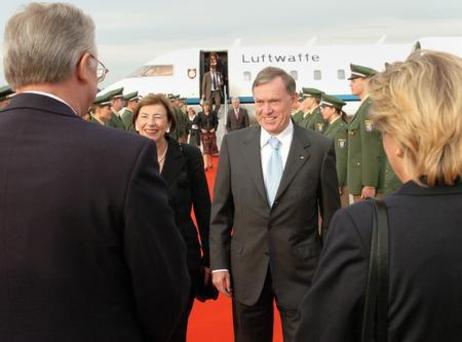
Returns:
(156, 99)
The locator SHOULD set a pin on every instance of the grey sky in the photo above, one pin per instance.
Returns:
(133, 32)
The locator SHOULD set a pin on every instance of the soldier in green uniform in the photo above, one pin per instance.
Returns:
(5, 94)
(117, 103)
(102, 110)
(297, 112)
(312, 118)
(180, 132)
(366, 157)
(126, 114)
(337, 130)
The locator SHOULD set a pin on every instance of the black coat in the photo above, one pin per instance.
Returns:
(187, 188)
(89, 248)
(208, 122)
(425, 300)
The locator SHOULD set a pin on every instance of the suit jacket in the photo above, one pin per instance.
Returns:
(425, 301)
(233, 123)
(284, 237)
(89, 248)
(187, 188)
(207, 83)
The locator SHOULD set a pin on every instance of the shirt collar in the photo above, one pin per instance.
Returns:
(284, 137)
(52, 96)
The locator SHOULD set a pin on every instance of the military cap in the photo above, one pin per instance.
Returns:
(103, 100)
(170, 96)
(332, 101)
(5, 92)
(312, 92)
(359, 71)
(116, 93)
(131, 96)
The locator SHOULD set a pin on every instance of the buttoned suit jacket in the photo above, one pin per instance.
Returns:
(207, 84)
(285, 237)
(90, 250)
(233, 123)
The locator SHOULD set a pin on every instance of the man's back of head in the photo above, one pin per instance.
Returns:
(51, 47)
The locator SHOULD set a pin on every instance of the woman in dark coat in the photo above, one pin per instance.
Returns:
(208, 123)
(192, 128)
(182, 168)
(418, 109)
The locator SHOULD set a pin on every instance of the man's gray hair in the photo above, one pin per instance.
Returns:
(268, 74)
(44, 42)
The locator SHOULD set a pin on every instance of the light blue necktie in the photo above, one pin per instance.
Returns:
(274, 172)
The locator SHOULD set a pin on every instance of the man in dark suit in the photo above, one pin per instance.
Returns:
(211, 85)
(237, 117)
(90, 251)
(271, 180)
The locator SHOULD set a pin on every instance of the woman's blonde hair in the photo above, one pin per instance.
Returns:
(419, 103)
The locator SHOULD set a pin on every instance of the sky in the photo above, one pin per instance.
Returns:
(130, 33)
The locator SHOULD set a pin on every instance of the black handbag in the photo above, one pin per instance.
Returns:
(375, 316)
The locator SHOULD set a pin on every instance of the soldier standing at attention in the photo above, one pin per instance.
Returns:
(365, 151)
(102, 110)
(296, 111)
(312, 118)
(337, 130)
(126, 114)
(117, 103)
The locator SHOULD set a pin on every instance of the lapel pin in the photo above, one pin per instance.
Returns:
(302, 157)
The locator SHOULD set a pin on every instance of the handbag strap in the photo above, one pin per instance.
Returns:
(375, 316)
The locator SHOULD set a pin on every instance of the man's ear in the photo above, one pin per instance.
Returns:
(85, 71)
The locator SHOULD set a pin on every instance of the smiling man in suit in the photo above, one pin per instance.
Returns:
(89, 248)
(238, 117)
(264, 234)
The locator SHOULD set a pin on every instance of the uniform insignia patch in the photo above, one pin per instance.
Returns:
(320, 126)
(369, 126)
(341, 143)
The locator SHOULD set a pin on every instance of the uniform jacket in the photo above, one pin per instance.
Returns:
(233, 123)
(366, 157)
(90, 251)
(316, 122)
(338, 132)
(126, 116)
(425, 301)
(116, 122)
(284, 237)
(187, 187)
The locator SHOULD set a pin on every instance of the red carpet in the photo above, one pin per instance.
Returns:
(212, 321)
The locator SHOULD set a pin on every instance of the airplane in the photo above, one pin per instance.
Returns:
(322, 67)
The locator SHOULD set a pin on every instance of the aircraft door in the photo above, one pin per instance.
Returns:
(221, 58)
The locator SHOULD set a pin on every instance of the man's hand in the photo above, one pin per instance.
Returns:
(222, 281)
(368, 191)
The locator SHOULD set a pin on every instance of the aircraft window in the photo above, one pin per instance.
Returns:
(247, 76)
(317, 75)
(341, 74)
(294, 74)
(154, 70)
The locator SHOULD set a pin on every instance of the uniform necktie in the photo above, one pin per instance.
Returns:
(274, 172)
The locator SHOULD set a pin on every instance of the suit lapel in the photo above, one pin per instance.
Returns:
(298, 155)
(252, 157)
(174, 162)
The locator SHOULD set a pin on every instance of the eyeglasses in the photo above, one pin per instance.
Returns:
(101, 70)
